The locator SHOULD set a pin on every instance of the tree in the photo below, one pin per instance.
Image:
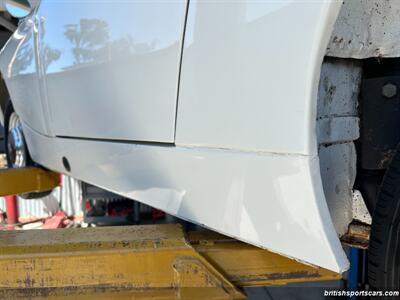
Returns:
(24, 59)
(49, 55)
(89, 39)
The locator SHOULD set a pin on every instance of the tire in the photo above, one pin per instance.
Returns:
(9, 111)
(384, 247)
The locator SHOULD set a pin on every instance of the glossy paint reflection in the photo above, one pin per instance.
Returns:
(252, 197)
(19, 69)
(244, 161)
(88, 32)
(121, 71)
(265, 60)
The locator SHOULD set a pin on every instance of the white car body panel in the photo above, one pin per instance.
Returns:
(130, 63)
(245, 160)
(232, 192)
(265, 60)
(19, 70)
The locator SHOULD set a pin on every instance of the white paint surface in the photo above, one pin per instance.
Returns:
(100, 75)
(269, 200)
(246, 83)
(245, 162)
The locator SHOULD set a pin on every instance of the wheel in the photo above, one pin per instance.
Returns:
(15, 146)
(384, 251)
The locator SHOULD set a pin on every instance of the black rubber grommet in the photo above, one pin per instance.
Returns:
(66, 164)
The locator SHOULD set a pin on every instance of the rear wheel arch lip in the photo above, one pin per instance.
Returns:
(4, 98)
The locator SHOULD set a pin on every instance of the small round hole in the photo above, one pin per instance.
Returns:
(66, 164)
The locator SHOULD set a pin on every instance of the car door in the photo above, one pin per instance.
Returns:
(111, 71)
(20, 71)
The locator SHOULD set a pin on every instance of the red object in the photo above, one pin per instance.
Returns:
(157, 214)
(115, 211)
(12, 210)
(66, 222)
(88, 205)
(56, 221)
